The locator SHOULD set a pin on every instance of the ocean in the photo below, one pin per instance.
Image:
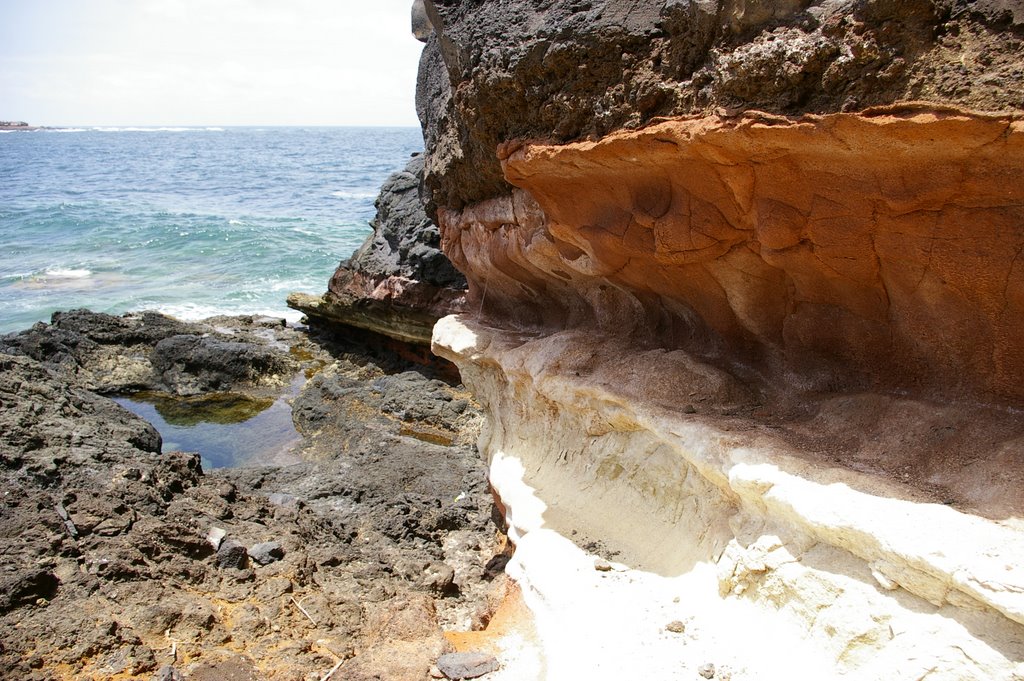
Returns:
(192, 222)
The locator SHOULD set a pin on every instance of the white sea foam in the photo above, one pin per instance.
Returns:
(289, 285)
(196, 311)
(354, 195)
(67, 273)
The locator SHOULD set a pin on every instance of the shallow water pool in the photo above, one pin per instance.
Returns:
(226, 429)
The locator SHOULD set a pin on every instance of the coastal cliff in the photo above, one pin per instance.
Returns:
(744, 315)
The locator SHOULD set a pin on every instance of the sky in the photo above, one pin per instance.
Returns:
(207, 62)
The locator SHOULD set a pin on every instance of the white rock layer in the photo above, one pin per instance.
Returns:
(779, 567)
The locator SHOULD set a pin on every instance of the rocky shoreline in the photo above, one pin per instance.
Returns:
(740, 305)
(123, 561)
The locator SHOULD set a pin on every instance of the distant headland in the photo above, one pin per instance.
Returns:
(17, 125)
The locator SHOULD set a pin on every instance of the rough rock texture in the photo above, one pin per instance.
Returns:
(119, 561)
(151, 351)
(562, 70)
(875, 250)
(744, 291)
(399, 282)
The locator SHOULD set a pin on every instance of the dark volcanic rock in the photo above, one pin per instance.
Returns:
(141, 328)
(150, 351)
(108, 543)
(405, 243)
(232, 554)
(43, 416)
(168, 673)
(26, 586)
(266, 553)
(191, 364)
(399, 282)
(564, 70)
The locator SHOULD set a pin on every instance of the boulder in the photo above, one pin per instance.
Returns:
(468, 665)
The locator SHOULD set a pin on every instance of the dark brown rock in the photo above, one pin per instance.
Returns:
(139, 565)
(565, 70)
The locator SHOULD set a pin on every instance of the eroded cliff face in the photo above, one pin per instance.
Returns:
(841, 251)
(744, 301)
(562, 70)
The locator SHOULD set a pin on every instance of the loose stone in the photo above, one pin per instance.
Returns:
(266, 552)
(215, 536)
(232, 554)
(466, 665)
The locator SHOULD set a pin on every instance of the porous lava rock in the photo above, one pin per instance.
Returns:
(565, 70)
(120, 560)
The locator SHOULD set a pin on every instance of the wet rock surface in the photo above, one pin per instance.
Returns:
(120, 561)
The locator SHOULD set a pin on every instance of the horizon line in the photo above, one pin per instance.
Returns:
(211, 125)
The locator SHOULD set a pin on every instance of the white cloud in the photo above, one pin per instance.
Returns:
(196, 62)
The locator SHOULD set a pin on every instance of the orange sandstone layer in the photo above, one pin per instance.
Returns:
(844, 251)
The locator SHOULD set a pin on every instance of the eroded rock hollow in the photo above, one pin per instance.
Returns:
(845, 251)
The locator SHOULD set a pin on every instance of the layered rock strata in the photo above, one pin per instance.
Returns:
(743, 313)
(874, 250)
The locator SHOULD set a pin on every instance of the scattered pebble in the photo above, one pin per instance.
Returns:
(266, 552)
(601, 565)
(676, 627)
(707, 670)
(215, 536)
(232, 554)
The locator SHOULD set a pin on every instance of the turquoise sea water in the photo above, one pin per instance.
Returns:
(189, 221)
